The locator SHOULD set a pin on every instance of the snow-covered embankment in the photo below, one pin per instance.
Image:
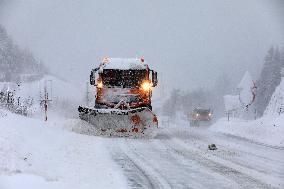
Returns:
(269, 129)
(38, 154)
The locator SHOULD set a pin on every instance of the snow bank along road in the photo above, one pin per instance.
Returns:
(35, 154)
(39, 155)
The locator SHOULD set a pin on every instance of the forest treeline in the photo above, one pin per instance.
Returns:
(17, 64)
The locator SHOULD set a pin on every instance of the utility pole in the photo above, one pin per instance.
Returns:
(45, 101)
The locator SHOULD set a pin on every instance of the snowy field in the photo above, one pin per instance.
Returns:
(36, 154)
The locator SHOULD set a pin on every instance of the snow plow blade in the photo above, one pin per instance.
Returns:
(138, 121)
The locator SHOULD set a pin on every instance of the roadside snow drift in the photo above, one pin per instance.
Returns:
(36, 154)
(268, 130)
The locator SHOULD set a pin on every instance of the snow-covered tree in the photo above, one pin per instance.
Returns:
(247, 94)
(276, 104)
(269, 79)
(246, 90)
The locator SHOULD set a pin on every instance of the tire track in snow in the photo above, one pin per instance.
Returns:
(231, 150)
(161, 163)
(155, 173)
(171, 170)
(269, 165)
(136, 175)
(255, 142)
(261, 161)
(242, 179)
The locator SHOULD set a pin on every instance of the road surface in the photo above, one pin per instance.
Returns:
(179, 158)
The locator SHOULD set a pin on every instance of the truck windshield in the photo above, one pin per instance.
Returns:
(123, 78)
(201, 111)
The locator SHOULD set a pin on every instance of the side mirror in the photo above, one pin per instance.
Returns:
(154, 78)
(93, 77)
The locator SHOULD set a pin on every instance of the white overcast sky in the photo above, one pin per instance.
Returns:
(190, 42)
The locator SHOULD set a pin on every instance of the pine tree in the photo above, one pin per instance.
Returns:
(269, 79)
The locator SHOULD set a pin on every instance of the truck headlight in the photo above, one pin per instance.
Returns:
(100, 85)
(146, 85)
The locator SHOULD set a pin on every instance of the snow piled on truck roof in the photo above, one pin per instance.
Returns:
(124, 64)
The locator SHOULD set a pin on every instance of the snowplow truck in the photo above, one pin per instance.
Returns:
(123, 98)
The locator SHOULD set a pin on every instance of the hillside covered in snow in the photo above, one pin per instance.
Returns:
(63, 96)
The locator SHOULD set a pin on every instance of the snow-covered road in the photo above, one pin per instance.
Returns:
(178, 158)
(35, 154)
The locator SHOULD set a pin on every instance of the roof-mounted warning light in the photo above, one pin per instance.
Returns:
(105, 60)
